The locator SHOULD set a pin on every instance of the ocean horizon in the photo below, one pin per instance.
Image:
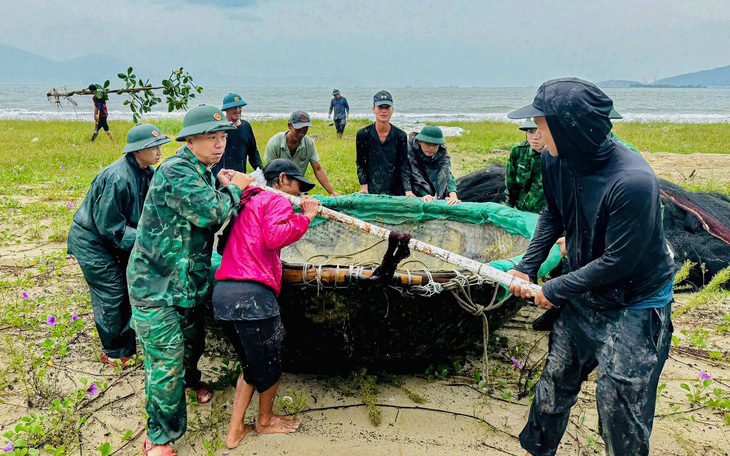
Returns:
(412, 104)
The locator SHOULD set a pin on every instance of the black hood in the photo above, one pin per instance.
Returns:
(576, 112)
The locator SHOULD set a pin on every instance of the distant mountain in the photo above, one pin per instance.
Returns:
(717, 77)
(21, 67)
(24, 67)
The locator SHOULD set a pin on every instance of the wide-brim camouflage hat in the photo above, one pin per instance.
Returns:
(528, 124)
(143, 137)
(232, 100)
(204, 119)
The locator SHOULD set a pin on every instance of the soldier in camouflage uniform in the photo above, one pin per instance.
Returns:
(103, 232)
(523, 175)
(169, 266)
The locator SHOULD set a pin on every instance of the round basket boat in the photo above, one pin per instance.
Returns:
(337, 317)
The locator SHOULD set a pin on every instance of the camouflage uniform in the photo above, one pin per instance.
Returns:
(523, 177)
(168, 283)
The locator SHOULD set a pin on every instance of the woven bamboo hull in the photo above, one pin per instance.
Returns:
(378, 328)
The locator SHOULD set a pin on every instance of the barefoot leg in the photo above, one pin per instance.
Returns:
(237, 429)
(267, 422)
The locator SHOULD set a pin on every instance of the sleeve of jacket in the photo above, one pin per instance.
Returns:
(510, 178)
(362, 146)
(632, 217)
(270, 152)
(196, 201)
(403, 162)
(332, 106)
(252, 150)
(347, 106)
(452, 184)
(550, 227)
(109, 215)
(281, 226)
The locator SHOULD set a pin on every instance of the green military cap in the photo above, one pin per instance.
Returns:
(232, 100)
(143, 137)
(431, 134)
(203, 119)
(335, 91)
(614, 114)
(528, 124)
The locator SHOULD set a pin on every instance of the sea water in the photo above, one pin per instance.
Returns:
(412, 105)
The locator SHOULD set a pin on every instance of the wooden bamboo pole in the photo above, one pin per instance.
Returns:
(474, 266)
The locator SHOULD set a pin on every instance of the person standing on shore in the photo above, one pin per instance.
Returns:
(342, 111)
(523, 175)
(296, 146)
(168, 272)
(248, 283)
(100, 115)
(615, 303)
(241, 142)
(103, 233)
(430, 163)
(382, 153)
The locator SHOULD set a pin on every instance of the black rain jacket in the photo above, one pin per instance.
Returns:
(605, 197)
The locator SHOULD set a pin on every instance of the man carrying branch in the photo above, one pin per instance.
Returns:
(100, 115)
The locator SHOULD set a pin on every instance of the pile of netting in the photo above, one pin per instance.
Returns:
(696, 224)
(337, 316)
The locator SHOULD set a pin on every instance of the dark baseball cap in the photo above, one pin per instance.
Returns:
(299, 119)
(283, 165)
(383, 98)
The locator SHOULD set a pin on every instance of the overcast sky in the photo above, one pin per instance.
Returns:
(397, 42)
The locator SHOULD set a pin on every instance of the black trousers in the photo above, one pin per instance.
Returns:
(340, 125)
(629, 348)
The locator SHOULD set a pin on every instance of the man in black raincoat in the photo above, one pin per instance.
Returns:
(615, 305)
(103, 233)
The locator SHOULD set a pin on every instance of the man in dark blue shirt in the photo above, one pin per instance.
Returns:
(342, 111)
(241, 142)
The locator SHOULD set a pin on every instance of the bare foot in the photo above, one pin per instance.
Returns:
(236, 435)
(278, 425)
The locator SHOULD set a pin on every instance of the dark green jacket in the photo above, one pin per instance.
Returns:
(430, 175)
(170, 261)
(523, 178)
(112, 207)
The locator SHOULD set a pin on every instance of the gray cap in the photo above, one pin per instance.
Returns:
(383, 98)
(299, 119)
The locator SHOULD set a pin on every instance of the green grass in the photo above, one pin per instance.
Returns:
(62, 163)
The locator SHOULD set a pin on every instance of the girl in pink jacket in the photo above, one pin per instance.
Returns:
(249, 280)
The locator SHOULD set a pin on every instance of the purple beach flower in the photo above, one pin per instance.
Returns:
(69, 205)
(516, 363)
(74, 317)
(25, 295)
(51, 320)
(10, 210)
(78, 177)
(9, 447)
(62, 168)
(93, 389)
(225, 453)
(704, 376)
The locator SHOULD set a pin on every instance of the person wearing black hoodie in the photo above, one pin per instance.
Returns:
(615, 304)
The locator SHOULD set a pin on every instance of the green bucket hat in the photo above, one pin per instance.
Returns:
(143, 137)
(528, 124)
(431, 134)
(614, 114)
(335, 91)
(203, 119)
(232, 100)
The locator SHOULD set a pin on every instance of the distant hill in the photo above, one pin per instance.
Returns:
(717, 77)
(24, 67)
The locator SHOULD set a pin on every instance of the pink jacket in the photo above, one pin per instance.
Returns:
(253, 250)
